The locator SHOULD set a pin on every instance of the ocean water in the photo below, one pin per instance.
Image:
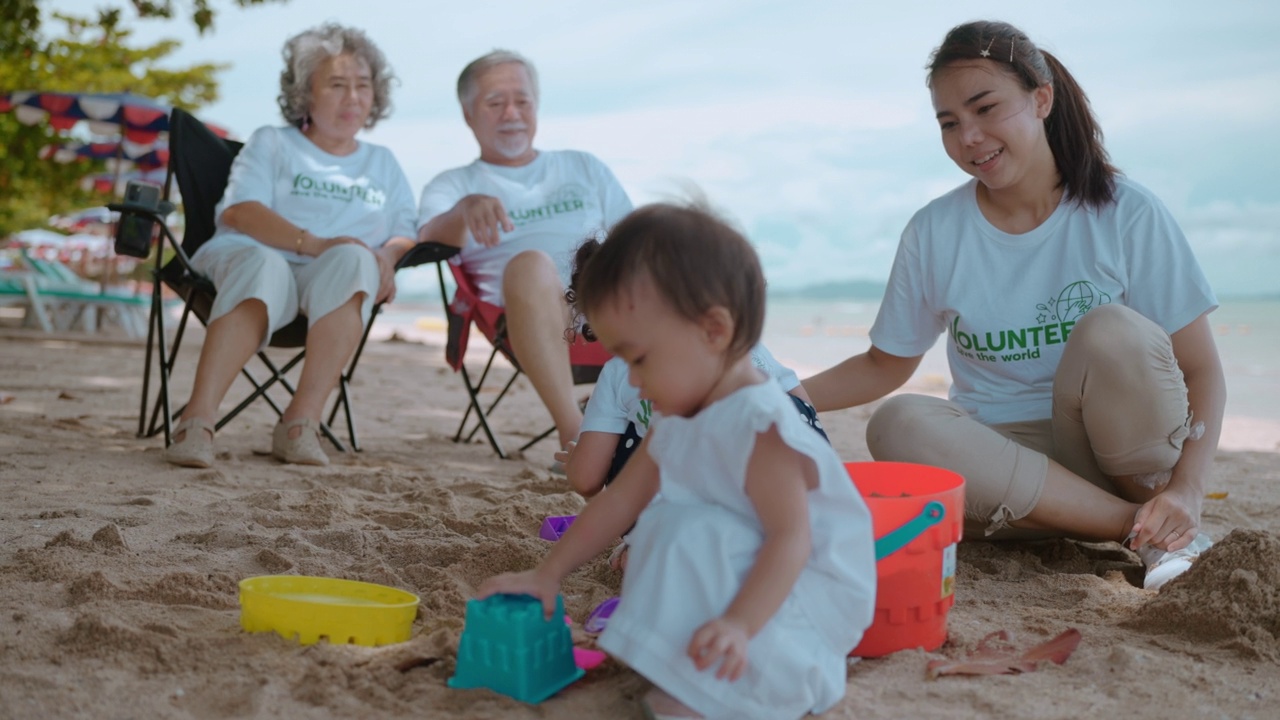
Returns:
(810, 335)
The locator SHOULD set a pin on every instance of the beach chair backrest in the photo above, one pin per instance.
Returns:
(200, 162)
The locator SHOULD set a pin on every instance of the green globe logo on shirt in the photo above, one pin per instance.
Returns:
(1072, 303)
(1018, 344)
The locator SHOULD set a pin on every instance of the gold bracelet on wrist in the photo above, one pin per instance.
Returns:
(298, 244)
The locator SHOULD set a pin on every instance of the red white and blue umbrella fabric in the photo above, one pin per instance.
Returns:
(145, 157)
(139, 118)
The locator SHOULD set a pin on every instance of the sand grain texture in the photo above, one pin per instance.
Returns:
(118, 573)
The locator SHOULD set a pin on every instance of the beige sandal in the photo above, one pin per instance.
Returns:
(195, 449)
(302, 450)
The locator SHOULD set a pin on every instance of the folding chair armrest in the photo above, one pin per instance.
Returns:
(427, 252)
(136, 225)
(157, 214)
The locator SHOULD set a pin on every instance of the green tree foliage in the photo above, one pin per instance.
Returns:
(201, 13)
(89, 55)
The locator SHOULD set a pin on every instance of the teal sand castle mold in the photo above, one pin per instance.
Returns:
(508, 647)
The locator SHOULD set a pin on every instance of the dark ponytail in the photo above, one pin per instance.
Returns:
(1073, 133)
(1075, 137)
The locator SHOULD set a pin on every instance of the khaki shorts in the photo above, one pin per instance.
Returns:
(1119, 408)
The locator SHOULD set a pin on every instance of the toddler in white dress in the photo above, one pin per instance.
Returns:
(752, 576)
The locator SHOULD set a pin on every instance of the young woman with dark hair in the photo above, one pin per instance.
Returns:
(1088, 394)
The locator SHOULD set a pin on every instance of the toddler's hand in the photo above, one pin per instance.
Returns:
(562, 456)
(529, 582)
(720, 640)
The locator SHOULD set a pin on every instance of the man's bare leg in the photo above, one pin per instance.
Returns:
(537, 317)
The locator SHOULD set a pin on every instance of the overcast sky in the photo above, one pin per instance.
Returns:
(807, 121)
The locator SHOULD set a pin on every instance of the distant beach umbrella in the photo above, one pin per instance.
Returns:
(142, 156)
(136, 118)
(129, 122)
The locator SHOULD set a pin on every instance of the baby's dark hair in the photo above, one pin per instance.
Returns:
(694, 259)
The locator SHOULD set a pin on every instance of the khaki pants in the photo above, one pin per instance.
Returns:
(1119, 408)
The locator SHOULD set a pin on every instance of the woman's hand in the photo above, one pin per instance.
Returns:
(1169, 521)
(386, 275)
(529, 582)
(720, 640)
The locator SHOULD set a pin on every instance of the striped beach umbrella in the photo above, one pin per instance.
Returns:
(136, 118)
(144, 157)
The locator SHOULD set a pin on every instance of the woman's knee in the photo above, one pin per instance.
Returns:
(261, 263)
(1112, 332)
(350, 264)
(903, 427)
(254, 281)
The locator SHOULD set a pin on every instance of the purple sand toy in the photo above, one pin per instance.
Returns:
(555, 526)
(599, 617)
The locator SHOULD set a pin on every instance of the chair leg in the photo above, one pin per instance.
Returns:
(489, 411)
(546, 434)
(153, 320)
(165, 368)
(483, 420)
(344, 399)
(260, 388)
(260, 391)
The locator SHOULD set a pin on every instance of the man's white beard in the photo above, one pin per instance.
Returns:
(513, 146)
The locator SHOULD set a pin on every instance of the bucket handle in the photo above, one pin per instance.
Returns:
(895, 540)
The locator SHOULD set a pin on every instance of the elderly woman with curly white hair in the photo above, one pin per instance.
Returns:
(313, 222)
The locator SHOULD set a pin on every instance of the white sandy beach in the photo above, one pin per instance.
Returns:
(118, 573)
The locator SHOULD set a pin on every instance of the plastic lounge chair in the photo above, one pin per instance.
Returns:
(465, 310)
(57, 299)
(200, 162)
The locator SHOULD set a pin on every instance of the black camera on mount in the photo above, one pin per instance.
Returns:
(141, 210)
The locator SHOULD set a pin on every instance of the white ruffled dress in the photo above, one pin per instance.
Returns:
(691, 550)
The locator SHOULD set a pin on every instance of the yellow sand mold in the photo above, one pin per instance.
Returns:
(342, 611)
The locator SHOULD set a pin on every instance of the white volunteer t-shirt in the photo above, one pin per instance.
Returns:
(364, 195)
(1008, 302)
(615, 401)
(555, 202)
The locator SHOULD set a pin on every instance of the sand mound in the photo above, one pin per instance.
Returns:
(1230, 596)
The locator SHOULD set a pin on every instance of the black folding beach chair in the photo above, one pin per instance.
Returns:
(200, 162)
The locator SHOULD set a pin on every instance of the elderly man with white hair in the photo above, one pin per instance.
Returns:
(518, 214)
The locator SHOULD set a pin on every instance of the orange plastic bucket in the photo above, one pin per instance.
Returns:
(915, 584)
